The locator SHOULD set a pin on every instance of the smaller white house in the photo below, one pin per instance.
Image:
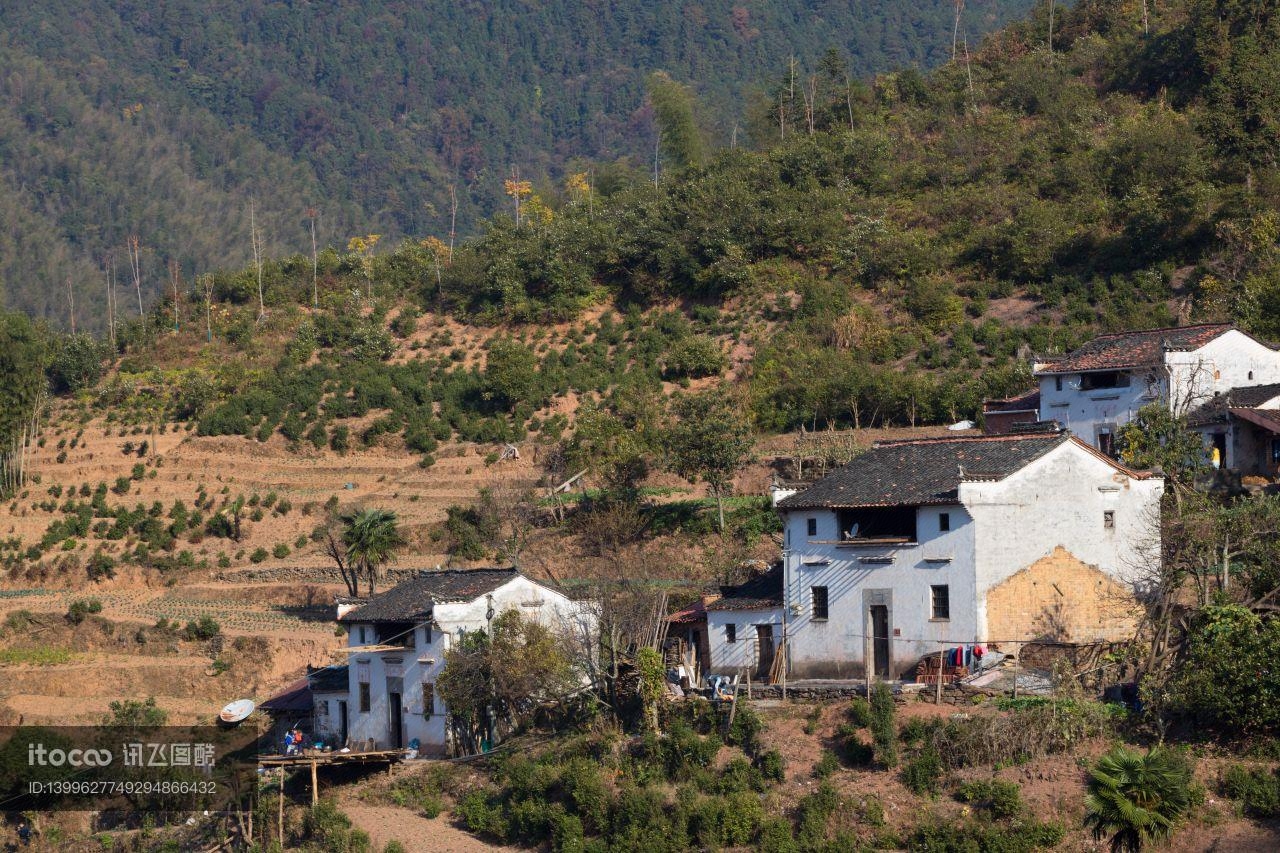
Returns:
(1097, 388)
(1244, 423)
(397, 642)
(330, 709)
(916, 547)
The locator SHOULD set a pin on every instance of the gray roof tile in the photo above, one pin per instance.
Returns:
(928, 471)
(412, 599)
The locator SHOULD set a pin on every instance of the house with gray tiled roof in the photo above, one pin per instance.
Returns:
(919, 546)
(1095, 389)
(397, 640)
(1245, 424)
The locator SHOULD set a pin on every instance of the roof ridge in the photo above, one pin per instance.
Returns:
(1163, 329)
(947, 439)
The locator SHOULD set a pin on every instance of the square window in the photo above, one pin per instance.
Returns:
(940, 602)
(944, 521)
(813, 526)
(364, 697)
(1109, 519)
(819, 602)
(730, 633)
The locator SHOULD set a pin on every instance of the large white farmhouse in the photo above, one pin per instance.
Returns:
(397, 642)
(917, 546)
(1100, 386)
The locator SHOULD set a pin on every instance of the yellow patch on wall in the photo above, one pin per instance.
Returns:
(1059, 598)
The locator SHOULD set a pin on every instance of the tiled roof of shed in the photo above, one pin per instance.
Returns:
(413, 598)
(1028, 402)
(1133, 349)
(760, 593)
(329, 679)
(928, 471)
(1214, 410)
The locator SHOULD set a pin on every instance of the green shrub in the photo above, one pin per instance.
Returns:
(100, 566)
(204, 628)
(813, 813)
(82, 607)
(567, 835)
(258, 555)
(772, 766)
(1257, 790)
(393, 846)
(812, 719)
(883, 733)
(280, 551)
(340, 439)
(332, 829)
(859, 713)
(693, 358)
(587, 793)
(923, 773)
(826, 765)
(978, 837)
(745, 731)
(1003, 799)
(776, 836)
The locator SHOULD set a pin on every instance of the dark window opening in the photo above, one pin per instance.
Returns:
(819, 602)
(1057, 383)
(878, 523)
(940, 602)
(396, 634)
(364, 697)
(813, 526)
(944, 521)
(1109, 519)
(1104, 379)
(730, 633)
(428, 699)
(1107, 444)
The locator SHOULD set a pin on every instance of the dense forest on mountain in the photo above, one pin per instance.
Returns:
(121, 118)
(885, 258)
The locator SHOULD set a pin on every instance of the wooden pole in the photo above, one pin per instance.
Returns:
(315, 784)
(280, 810)
(867, 663)
(937, 696)
(1015, 672)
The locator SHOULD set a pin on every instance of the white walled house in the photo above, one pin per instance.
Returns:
(397, 642)
(330, 708)
(1095, 389)
(1244, 423)
(915, 546)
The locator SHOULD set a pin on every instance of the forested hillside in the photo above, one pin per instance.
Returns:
(121, 118)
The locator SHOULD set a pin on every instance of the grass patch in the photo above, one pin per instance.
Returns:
(39, 656)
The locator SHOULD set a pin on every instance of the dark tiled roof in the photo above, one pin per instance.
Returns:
(1133, 349)
(1268, 419)
(928, 471)
(1214, 410)
(1028, 402)
(412, 599)
(1253, 396)
(330, 679)
(294, 699)
(760, 593)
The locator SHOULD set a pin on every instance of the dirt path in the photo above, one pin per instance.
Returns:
(417, 833)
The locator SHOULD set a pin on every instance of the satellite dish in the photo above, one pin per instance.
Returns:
(236, 711)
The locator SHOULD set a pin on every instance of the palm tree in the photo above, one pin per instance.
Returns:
(372, 537)
(1137, 798)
